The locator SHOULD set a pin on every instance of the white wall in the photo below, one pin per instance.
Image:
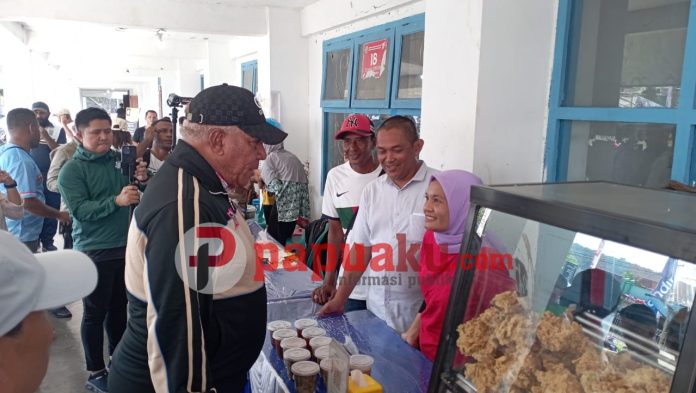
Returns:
(189, 78)
(290, 78)
(220, 63)
(450, 82)
(516, 59)
(325, 15)
(366, 19)
(25, 78)
(219, 17)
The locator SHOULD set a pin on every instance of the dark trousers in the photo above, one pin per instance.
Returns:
(33, 246)
(66, 231)
(281, 231)
(50, 225)
(355, 305)
(104, 309)
(233, 339)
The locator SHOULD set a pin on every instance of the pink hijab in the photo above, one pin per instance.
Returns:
(457, 187)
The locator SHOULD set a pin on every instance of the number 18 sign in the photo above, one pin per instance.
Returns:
(374, 59)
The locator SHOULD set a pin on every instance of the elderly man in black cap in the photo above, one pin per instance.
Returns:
(197, 310)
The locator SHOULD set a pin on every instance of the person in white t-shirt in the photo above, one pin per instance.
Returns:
(388, 229)
(344, 185)
(156, 144)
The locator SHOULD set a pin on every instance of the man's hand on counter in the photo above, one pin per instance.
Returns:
(324, 293)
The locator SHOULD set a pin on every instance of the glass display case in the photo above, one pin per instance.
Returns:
(572, 287)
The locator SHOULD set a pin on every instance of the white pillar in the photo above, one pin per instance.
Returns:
(450, 82)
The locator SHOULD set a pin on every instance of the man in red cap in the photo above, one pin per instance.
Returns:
(344, 184)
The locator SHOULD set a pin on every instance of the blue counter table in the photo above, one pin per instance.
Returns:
(398, 367)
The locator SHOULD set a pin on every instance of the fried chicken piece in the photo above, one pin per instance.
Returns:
(550, 359)
(590, 361)
(515, 331)
(604, 380)
(526, 380)
(557, 334)
(491, 317)
(557, 379)
(507, 302)
(483, 376)
(649, 379)
(474, 336)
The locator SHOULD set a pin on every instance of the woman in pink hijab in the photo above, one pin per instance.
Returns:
(446, 209)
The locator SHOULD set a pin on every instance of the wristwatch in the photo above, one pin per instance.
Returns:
(13, 185)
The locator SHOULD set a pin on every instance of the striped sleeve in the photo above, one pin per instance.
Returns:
(176, 315)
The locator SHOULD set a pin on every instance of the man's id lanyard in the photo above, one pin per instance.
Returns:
(232, 211)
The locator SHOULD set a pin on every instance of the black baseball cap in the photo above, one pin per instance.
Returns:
(226, 105)
(40, 105)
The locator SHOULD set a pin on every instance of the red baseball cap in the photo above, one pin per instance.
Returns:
(357, 124)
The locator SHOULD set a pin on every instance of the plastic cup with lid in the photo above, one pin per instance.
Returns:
(320, 341)
(312, 332)
(294, 355)
(321, 353)
(279, 335)
(305, 373)
(293, 342)
(326, 366)
(277, 325)
(362, 362)
(302, 324)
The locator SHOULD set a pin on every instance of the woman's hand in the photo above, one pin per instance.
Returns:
(411, 336)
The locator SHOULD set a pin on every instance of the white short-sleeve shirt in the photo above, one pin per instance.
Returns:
(387, 216)
(341, 200)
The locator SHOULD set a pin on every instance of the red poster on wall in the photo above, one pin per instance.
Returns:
(374, 59)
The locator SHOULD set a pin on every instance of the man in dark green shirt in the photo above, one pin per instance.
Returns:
(99, 196)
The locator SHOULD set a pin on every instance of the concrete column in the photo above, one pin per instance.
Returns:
(450, 82)
(289, 77)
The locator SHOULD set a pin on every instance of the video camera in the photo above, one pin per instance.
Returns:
(176, 101)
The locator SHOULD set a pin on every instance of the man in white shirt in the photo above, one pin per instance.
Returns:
(344, 185)
(388, 228)
(156, 144)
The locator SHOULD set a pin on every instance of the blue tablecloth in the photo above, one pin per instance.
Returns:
(398, 367)
(282, 284)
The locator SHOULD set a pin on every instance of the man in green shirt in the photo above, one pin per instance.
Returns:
(99, 196)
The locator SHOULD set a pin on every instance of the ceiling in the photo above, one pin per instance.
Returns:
(259, 3)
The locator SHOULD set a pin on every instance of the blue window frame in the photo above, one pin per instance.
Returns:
(407, 77)
(373, 91)
(338, 70)
(641, 108)
(249, 76)
(396, 93)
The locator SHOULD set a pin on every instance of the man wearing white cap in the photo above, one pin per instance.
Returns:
(68, 124)
(30, 284)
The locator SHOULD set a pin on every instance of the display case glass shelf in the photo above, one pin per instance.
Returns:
(572, 287)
